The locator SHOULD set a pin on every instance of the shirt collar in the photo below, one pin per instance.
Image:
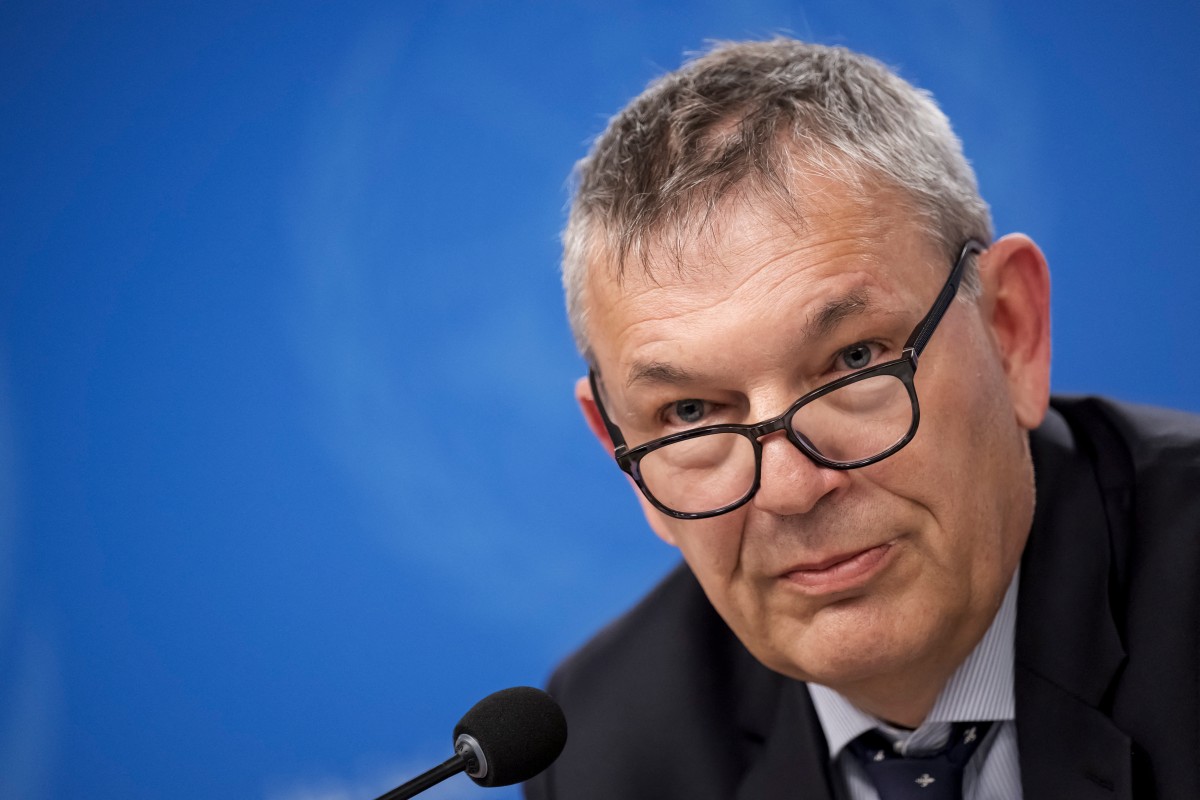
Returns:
(980, 689)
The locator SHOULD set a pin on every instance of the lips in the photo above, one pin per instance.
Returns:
(841, 572)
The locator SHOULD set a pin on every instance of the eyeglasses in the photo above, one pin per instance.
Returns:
(851, 422)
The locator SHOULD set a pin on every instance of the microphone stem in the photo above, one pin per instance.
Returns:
(451, 766)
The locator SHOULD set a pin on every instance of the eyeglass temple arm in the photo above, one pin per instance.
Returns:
(920, 337)
(614, 432)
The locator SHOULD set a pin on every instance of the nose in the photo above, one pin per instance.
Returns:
(791, 482)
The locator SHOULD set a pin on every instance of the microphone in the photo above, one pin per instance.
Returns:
(507, 737)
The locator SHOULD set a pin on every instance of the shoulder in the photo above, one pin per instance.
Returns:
(654, 664)
(1151, 455)
(667, 675)
(1154, 436)
(1147, 464)
(1110, 597)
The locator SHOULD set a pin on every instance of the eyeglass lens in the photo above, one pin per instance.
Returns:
(854, 422)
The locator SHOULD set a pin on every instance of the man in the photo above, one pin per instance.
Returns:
(829, 385)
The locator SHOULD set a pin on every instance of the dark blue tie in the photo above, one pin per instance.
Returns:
(935, 776)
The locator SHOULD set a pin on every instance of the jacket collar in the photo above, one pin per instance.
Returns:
(794, 759)
(1068, 649)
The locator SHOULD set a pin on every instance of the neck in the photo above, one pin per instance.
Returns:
(898, 705)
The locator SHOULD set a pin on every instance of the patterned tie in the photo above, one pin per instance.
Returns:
(936, 776)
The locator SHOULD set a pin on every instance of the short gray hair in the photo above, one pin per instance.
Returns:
(741, 117)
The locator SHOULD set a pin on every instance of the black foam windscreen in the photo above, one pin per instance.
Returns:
(520, 730)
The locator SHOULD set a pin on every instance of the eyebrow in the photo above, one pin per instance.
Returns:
(825, 321)
(657, 372)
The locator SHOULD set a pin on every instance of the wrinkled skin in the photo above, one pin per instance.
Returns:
(876, 582)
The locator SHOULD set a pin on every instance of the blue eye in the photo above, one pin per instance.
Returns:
(688, 412)
(856, 356)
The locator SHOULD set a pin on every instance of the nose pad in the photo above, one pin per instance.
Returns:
(791, 482)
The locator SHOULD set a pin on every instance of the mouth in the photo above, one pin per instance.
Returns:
(841, 572)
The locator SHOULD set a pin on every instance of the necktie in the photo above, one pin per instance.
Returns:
(936, 776)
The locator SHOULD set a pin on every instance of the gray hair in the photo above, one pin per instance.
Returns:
(746, 116)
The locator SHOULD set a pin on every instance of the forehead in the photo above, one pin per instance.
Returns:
(754, 271)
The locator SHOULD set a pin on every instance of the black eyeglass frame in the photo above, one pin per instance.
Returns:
(904, 368)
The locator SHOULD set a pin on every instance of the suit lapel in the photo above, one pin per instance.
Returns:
(793, 763)
(1068, 649)
(1068, 748)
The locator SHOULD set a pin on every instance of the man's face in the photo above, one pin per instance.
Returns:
(861, 579)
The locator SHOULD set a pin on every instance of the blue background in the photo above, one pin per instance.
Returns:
(290, 469)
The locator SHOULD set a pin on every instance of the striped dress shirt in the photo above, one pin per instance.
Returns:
(980, 689)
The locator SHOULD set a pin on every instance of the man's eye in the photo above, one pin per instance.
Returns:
(686, 412)
(856, 356)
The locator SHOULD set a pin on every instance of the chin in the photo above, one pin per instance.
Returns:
(849, 649)
(848, 668)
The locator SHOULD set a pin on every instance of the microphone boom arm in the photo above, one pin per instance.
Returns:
(451, 766)
(468, 757)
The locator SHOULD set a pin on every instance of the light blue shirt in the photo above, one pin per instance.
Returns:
(980, 689)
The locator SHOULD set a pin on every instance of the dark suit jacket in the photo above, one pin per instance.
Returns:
(666, 703)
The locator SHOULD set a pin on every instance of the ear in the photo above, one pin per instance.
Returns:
(591, 413)
(1016, 306)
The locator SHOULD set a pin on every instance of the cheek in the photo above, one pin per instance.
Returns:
(967, 417)
(959, 467)
(975, 464)
(712, 547)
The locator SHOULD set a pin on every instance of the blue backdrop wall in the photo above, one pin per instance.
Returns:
(290, 470)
